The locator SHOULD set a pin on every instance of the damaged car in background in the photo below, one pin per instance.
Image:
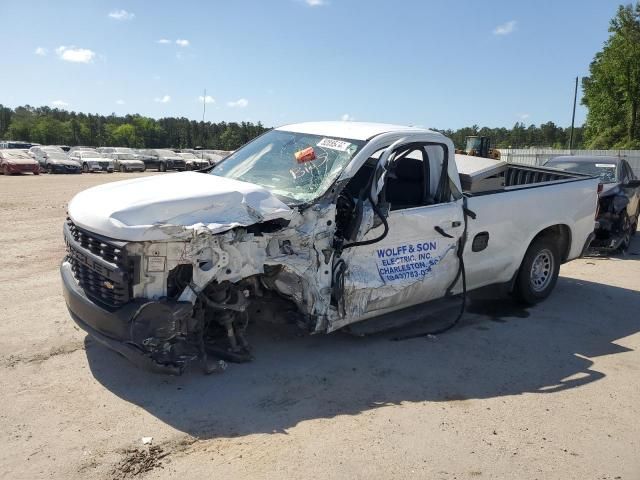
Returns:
(619, 197)
(324, 224)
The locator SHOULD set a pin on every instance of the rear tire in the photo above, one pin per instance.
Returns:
(163, 167)
(538, 272)
(85, 168)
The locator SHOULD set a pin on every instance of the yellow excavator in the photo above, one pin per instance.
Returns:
(478, 146)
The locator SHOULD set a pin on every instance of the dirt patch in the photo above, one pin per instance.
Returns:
(13, 360)
(138, 461)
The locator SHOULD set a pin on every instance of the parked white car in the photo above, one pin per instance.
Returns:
(193, 162)
(328, 223)
(92, 161)
(127, 162)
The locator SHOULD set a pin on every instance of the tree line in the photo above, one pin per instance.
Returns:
(52, 126)
(520, 136)
(612, 89)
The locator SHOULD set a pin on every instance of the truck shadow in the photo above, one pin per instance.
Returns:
(297, 377)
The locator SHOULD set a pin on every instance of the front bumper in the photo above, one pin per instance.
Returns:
(110, 328)
(22, 168)
(101, 168)
(64, 168)
(176, 165)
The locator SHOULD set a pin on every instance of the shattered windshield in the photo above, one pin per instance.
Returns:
(298, 166)
(608, 172)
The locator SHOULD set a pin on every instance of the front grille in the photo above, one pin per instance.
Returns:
(108, 282)
(104, 164)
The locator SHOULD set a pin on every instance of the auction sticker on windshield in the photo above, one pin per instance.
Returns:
(334, 144)
(605, 165)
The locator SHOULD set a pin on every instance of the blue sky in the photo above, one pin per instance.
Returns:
(441, 64)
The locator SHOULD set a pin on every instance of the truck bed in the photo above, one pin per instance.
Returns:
(484, 175)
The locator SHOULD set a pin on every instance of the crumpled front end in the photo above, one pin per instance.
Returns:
(612, 223)
(191, 293)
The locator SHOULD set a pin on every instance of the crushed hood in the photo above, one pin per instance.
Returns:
(169, 206)
(609, 189)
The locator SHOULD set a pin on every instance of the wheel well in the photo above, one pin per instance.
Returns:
(560, 234)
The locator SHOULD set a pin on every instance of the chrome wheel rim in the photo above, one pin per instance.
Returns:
(541, 270)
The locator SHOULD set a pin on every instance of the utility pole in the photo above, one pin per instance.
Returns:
(573, 116)
(204, 103)
(204, 127)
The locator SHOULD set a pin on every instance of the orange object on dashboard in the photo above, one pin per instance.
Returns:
(305, 155)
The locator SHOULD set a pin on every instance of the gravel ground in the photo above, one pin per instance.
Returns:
(552, 392)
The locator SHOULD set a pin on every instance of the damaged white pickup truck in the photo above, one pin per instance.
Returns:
(326, 224)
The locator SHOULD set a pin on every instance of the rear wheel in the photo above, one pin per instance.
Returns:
(85, 168)
(539, 271)
(163, 167)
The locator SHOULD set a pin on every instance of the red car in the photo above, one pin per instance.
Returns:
(17, 161)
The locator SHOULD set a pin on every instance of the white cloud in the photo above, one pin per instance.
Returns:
(505, 28)
(182, 43)
(315, 3)
(41, 51)
(164, 41)
(347, 118)
(121, 15)
(59, 103)
(240, 103)
(207, 99)
(120, 102)
(523, 116)
(163, 99)
(77, 55)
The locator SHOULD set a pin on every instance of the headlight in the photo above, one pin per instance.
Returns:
(619, 203)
